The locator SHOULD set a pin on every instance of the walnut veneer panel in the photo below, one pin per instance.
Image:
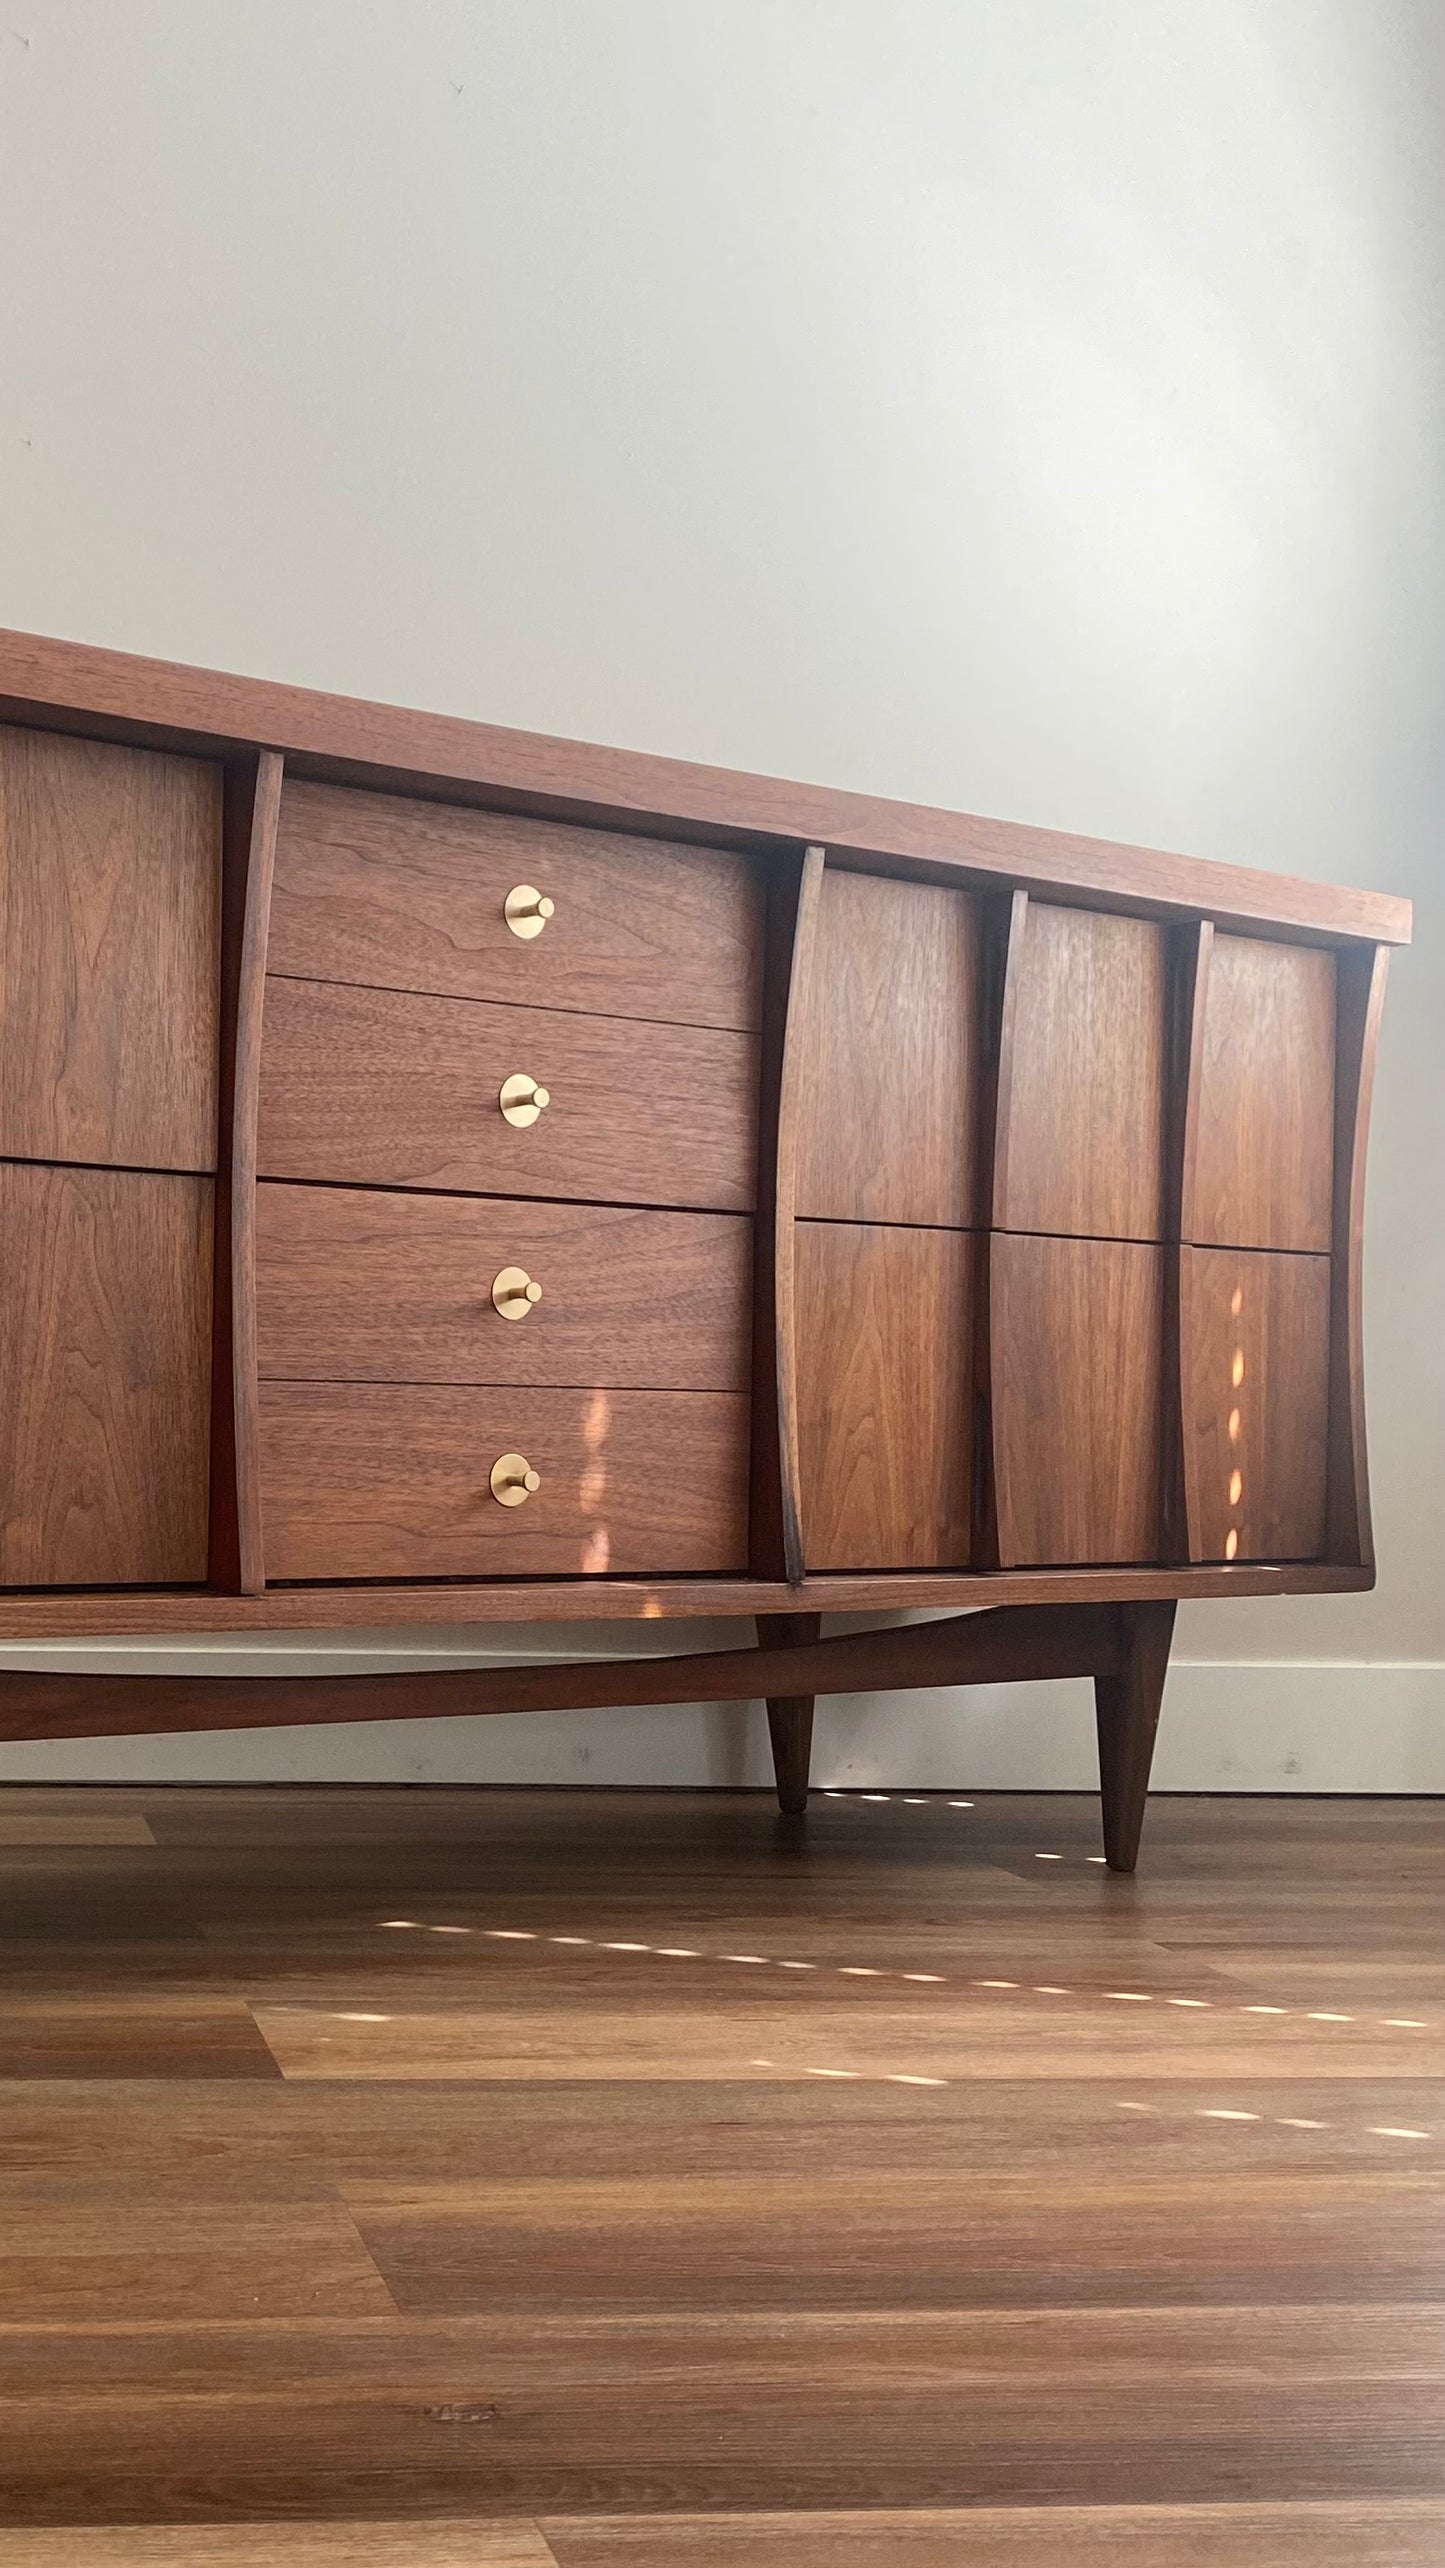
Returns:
(110, 890)
(361, 1480)
(884, 1319)
(1255, 1334)
(1076, 1353)
(1263, 1155)
(409, 895)
(1081, 1145)
(384, 1088)
(105, 1334)
(888, 1054)
(363, 1287)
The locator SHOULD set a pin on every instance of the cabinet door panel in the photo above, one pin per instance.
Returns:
(105, 1343)
(1254, 1332)
(110, 906)
(382, 1088)
(1076, 1350)
(1264, 1151)
(353, 1286)
(410, 895)
(888, 1055)
(1082, 1147)
(885, 1330)
(369, 1480)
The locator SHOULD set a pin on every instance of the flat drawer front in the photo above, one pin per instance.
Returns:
(1263, 1160)
(408, 895)
(110, 908)
(1076, 1328)
(360, 1480)
(376, 1087)
(1081, 1148)
(359, 1287)
(887, 1052)
(884, 1321)
(105, 1377)
(1255, 1334)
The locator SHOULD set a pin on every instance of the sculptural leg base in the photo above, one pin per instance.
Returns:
(1126, 1705)
(1124, 1648)
(790, 1716)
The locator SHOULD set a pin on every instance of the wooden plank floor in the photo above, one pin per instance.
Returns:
(509, 2180)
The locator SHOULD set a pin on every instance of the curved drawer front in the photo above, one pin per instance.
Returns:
(382, 1088)
(362, 1480)
(1263, 1166)
(408, 895)
(353, 1286)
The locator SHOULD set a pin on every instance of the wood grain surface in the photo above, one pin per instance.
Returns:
(1255, 1328)
(409, 895)
(995, 1647)
(888, 1040)
(1262, 1164)
(43, 1616)
(1076, 1336)
(356, 1286)
(1083, 1088)
(69, 684)
(380, 1088)
(885, 1405)
(105, 1390)
(573, 2193)
(369, 1480)
(110, 903)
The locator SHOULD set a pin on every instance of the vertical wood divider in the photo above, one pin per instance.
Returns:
(996, 1085)
(1360, 972)
(776, 1535)
(1005, 925)
(251, 806)
(1190, 951)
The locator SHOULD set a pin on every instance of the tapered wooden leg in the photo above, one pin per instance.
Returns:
(1127, 1706)
(790, 1716)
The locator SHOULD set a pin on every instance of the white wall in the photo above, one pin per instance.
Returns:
(1028, 405)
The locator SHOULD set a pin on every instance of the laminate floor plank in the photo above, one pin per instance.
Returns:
(388, 2174)
(282, 2545)
(1306, 2536)
(680, 2412)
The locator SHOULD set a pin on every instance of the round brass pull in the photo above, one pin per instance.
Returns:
(514, 1294)
(527, 910)
(513, 1480)
(521, 1099)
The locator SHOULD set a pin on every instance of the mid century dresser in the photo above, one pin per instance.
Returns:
(451, 1174)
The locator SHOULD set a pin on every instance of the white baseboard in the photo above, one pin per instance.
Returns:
(1331, 1726)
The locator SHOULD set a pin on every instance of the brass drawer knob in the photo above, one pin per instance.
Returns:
(527, 910)
(514, 1294)
(521, 1099)
(513, 1480)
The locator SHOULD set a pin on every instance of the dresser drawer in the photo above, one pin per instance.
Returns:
(362, 1287)
(105, 1377)
(110, 934)
(409, 895)
(360, 1480)
(1254, 1331)
(1076, 1358)
(885, 1332)
(1081, 1125)
(888, 1045)
(1263, 1174)
(379, 1087)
